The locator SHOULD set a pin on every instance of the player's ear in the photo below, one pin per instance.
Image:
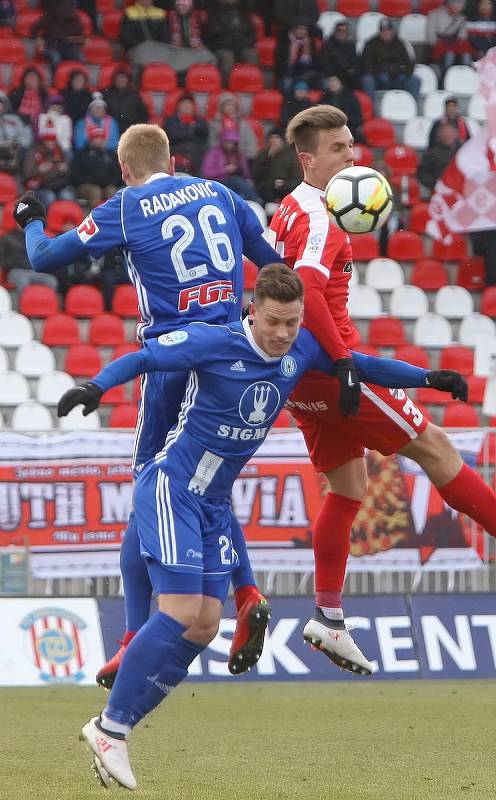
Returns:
(251, 309)
(172, 166)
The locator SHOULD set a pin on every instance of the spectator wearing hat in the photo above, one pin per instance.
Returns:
(447, 34)
(124, 102)
(30, 98)
(228, 118)
(144, 33)
(59, 32)
(386, 63)
(296, 59)
(276, 170)
(336, 94)
(451, 117)
(15, 137)
(95, 169)
(339, 56)
(228, 164)
(299, 101)
(54, 120)
(77, 95)
(46, 169)
(188, 132)
(96, 117)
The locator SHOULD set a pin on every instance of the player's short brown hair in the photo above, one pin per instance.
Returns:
(145, 149)
(278, 282)
(303, 128)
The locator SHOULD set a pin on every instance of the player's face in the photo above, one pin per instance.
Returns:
(333, 152)
(276, 325)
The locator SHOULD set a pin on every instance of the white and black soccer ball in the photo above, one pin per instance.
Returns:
(358, 199)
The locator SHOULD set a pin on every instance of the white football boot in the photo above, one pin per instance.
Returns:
(103, 777)
(332, 638)
(111, 751)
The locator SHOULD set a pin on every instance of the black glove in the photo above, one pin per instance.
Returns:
(447, 380)
(29, 208)
(349, 395)
(87, 395)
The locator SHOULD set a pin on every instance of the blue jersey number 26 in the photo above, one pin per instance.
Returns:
(218, 243)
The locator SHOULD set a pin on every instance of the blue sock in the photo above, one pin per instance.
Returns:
(142, 662)
(170, 676)
(243, 574)
(137, 586)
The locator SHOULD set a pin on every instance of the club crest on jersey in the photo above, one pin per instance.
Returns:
(54, 636)
(174, 337)
(348, 267)
(288, 366)
(314, 243)
(87, 229)
(259, 402)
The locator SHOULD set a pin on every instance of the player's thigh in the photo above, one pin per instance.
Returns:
(219, 556)
(436, 455)
(159, 406)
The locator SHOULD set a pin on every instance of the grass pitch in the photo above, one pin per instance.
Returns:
(404, 740)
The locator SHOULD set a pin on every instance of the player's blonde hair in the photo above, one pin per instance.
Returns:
(145, 149)
(278, 282)
(303, 128)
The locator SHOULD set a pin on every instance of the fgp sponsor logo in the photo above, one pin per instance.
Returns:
(206, 294)
(288, 366)
(174, 337)
(259, 403)
(55, 643)
(87, 229)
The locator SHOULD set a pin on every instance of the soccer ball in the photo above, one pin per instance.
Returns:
(358, 199)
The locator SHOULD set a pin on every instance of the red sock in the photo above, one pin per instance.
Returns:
(331, 547)
(468, 493)
(244, 593)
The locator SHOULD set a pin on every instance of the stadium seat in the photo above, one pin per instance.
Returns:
(477, 108)
(31, 416)
(52, 385)
(107, 72)
(386, 332)
(471, 274)
(266, 49)
(394, 8)
(86, 22)
(124, 349)
(8, 222)
(246, 78)
(258, 130)
(429, 274)
(8, 188)
(453, 302)
(12, 51)
(384, 274)
(4, 362)
(114, 396)
(475, 327)
(20, 68)
(123, 416)
(364, 246)
(97, 50)
(368, 24)
(106, 330)
(416, 132)
(462, 81)
(434, 104)
(38, 301)
(433, 397)
(408, 302)
(407, 189)
(456, 251)
(61, 330)
(33, 359)
(476, 387)
(250, 272)
(458, 357)
(83, 301)
(460, 415)
(283, 419)
(63, 212)
(401, 160)
(111, 24)
(82, 360)
(352, 8)
(379, 132)
(485, 357)
(489, 402)
(368, 349)
(419, 216)
(25, 21)
(431, 330)
(364, 302)
(427, 77)
(405, 246)
(14, 389)
(365, 103)
(203, 78)
(413, 29)
(75, 421)
(488, 302)
(158, 78)
(15, 330)
(267, 105)
(397, 106)
(5, 301)
(414, 355)
(63, 72)
(363, 155)
(428, 5)
(328, 21)
(125, 301)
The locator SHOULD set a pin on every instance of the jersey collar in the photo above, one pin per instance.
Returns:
(258, 350)
(157, 175)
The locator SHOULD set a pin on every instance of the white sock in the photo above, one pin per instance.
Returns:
(114, 727)
(332, 613)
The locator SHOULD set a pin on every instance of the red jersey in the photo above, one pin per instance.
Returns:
(303, 236)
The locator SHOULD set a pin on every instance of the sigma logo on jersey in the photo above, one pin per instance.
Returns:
(206, 294)
(175, 337)
(288, 366)
(87, 229)
(259, 402)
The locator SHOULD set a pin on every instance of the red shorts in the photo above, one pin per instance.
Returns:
(387, 421)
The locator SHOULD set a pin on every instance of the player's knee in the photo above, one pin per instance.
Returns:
(434, 442)
(203, 632)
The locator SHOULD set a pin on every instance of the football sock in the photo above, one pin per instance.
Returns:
(141, 664)
(468, 493)
(137, 586)
(331, 546)
(332, 613)
(243, 574)
(172, 673)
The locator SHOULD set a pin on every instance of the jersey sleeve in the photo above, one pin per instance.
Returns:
(255, 246)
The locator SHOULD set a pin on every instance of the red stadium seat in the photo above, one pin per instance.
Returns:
(97, 50)
(153, 116)
(84, 301)
(8, 188)
(352, 8)
(363, 155)
(105, 6)
(456, 251)
(471, 274)
(460, 415)
(106, 329)
(267, 105)
(82, 360)
(158, 78)
(366, 104)
(258, 130)
(12, 51)
(283, 419)
(25, 21)
(364, 246)
(124, 349)
(476, 388)
(8, 221)
(408, 189)
(379, 133)
(212, 105)
(64, 70)
(125, 301)
(394, 8)
(63, 212)
(111, 24)
(246, 78)
(38, 301)
(433, 397)
(203, 78)
(386, 332)
(457, 357)
(488, 302)
(428, 5)
(266, 47)
(419, 216)
(368, 349)
(414, 355)
(401, 160)
(258, 24)
(250, 272)
(86, 22)
(123, 416)
(115, 395)
(429, 275)
(61, 330)
(405, 246)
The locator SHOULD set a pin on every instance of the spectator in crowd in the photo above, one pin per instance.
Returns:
(124, 102)
(55, 121)
(336, 94)
(15, 137)
(185, 31)
(451, 117)
(144, 33)
(291, 13)
(436, 158)
(339, 56)
(187, 132)
(14, 256)
(446, 34)
(484, 245)
(77, 95)
(96, 117)
(228, 164)
(230, 34)
(276, 170)
(46, 170)
(228, 118)
(105, 272)
(296, 59)
(95, 169)
(30, 98)
(299, 101)
(386, 63)
(7, 13)
(59, 33)
(481, 32)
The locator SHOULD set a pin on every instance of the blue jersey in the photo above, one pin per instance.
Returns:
(233, 395)
(182, 240)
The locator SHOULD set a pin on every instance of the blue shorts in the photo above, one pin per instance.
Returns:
(185, 538)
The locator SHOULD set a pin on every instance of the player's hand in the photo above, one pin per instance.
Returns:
(447, 380)
(28, 208)
(349, 395)
(87, 395)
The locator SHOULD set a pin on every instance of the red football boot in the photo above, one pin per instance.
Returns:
(106, 675)
(253, 614)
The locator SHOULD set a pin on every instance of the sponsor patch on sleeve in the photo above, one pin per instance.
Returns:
(174, 337)
(87, 229)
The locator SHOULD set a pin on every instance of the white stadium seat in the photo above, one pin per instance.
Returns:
(397, 106)
(14, 389)
(15, 329)
(485, 357)
(368, 24)
(489, 401)
(409, 302)
(2, 424)
(4, 361)
(260, 212)
(5, 301)
(75, 421)
(413, 28)
(384, 274)
(31, 416)
(461, 80)
(475, 327)
(477, 108)
(364, 302)
(416, 132)
(34, 359)
(328, 21)
(431, 330)
(453, 302)
(434, 104)
(427, 76)
(52, 385)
